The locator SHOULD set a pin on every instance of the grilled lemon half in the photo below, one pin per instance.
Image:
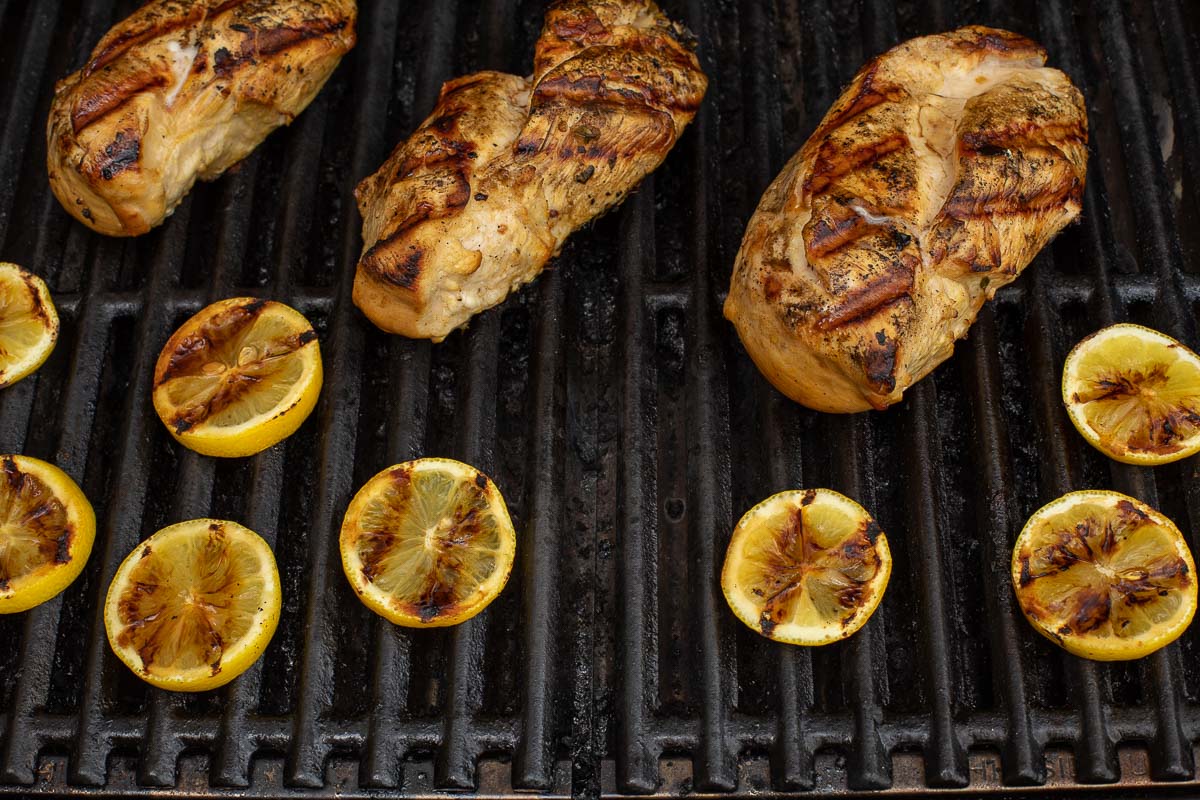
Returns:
(1134, 394)
(240, 376)
(1104, 576)
(28, 323)
(806, 567)
(428, 543)
(47, 528)
(195, 605)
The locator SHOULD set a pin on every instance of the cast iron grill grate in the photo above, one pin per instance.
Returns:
(627, 428)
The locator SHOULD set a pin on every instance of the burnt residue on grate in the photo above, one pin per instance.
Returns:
(615, 409)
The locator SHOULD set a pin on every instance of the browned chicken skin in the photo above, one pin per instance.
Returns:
(937, 176)
(486, 191)
(181, 90)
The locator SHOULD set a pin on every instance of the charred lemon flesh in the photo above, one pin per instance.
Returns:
(428, 543)
(195, 605)
(806, 567)
(1134, 394)
(1104, 576)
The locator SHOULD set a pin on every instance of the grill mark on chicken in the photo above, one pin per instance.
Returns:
(949, 158)
(833, 162)
(161, 23)
(271, 41)
(94, 106)
(867, 96)
(892, 287)
(121, 155)
(965, 205)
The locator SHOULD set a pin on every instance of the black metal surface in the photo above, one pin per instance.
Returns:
(628, 430)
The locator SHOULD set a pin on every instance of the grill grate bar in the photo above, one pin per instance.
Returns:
(231, 762)
(337, 414)
(869, 765)
(1096, 757)
(1160, 248)
(543, 537)
(124, 516)
(709, 501)
(542, 542)
(636, 665)
(464, 690)
(946, 761)
(161, 743)
(1024, 762)
(406, 430)
(793, 749)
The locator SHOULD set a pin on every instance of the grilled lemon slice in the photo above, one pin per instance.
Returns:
(428, 543)
(1134, 394)
(195, 605)
(1104, 576)
(47, 528)
(239, 377)
(806, 567)
(28, 323)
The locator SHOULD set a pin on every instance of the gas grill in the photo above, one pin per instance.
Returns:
(618, 413)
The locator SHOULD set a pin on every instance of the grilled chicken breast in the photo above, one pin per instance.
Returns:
(486, 191)
(938, 175)
(180, 90)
